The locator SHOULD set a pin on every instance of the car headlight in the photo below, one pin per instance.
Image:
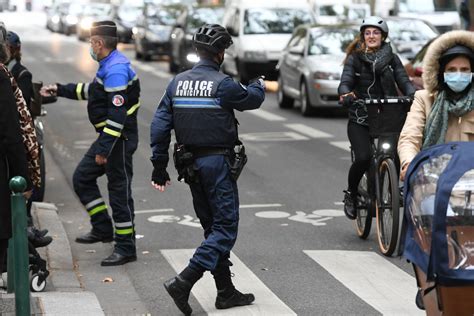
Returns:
(55, 19)
(255, 55)
(324, 75)
(71, 19)
(86, 23)
(192, 58)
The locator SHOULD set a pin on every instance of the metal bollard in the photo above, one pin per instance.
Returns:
(21, 284)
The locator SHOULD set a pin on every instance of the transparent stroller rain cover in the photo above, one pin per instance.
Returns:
(439, 213)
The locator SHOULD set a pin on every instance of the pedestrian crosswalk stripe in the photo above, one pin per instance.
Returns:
(308, 131)
(267, 115)
(346, 145)
(266, 303)
(378, 282)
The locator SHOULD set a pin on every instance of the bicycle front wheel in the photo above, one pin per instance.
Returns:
(364, 206)
(388, 208)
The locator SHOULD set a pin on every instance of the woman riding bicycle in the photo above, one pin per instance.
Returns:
(371, 70)
(442, 112)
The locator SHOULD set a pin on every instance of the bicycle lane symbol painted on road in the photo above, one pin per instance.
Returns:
(186, 220)
(316, 217)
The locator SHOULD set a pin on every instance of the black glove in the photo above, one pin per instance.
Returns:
(259, 80)
(348, 100)
(160, 175)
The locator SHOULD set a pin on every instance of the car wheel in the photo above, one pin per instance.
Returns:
(284, 101)
(138, 55)
(304, 99)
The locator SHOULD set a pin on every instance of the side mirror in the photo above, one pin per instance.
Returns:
(297, 50)
(232, 31)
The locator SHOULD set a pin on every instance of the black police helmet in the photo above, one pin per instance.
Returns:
(13, 39)
(212, 37)
(456, 50)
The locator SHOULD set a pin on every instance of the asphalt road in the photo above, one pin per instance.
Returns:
(296, 251)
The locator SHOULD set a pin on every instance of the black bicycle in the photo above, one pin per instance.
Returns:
(379, 192)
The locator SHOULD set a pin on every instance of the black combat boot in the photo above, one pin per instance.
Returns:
(224, 300)
(179, 289)
(36, 239)
(93, 237)
(350, 205)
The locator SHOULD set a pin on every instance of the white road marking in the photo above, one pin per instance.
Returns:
(151, 69)
(260, 205)
(154, 211)
(338, 203)
(267, 115)
(266, 302)
(308, 131)
(272, 214)
(346, 145)
(378, 282)
(272, 137)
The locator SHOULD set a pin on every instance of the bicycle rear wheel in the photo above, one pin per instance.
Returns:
(388, 208)
(363, 221)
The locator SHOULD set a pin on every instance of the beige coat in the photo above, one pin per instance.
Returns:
(459, 129)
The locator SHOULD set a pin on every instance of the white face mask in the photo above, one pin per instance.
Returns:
(93, 55)
(457, 81)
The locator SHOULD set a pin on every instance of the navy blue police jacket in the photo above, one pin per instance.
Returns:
(112, 100)
(199, 105)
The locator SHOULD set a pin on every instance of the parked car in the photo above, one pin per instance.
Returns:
(153, 29)
(415, 67)
(410, 34)
(311, 66)
(125, 17)
(183, 55)
(260, 31)
(92, 13)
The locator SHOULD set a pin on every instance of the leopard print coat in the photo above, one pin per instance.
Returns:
(28, 132)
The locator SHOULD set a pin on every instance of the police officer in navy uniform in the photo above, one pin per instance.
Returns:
(113, 101)
(199, 105)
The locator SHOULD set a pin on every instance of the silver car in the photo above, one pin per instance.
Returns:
(311, 66)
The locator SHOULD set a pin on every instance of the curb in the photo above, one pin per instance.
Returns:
(64, 295)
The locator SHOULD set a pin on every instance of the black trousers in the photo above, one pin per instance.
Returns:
(361, 147)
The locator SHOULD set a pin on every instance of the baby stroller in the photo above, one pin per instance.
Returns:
(37, 265)
(439, 225)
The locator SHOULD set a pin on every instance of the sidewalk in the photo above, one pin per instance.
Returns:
(63, 294)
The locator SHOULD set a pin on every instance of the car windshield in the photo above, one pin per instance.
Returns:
(410, 30)
(323, 41)
(201, 16)
(129, 13)
(164, 16)
(97, 9)
(278, 20)
(421, 6)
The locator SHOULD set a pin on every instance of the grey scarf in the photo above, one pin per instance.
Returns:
(437, 123)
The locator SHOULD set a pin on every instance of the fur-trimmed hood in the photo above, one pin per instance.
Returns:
(436, 49)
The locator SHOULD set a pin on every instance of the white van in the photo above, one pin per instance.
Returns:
(260, 29)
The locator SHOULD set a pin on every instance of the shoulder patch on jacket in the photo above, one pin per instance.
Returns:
(118, 100)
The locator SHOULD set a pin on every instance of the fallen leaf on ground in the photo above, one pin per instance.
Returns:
(145, 252)
(90, 251)
(107, 280)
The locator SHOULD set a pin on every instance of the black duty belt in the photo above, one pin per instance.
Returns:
(208, 151)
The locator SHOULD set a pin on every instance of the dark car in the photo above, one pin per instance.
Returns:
(126, 16)
(92, 13)
(152, 31)
(69, 16)
(183, 55)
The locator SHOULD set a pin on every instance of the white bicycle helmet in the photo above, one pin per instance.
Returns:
(374, 21)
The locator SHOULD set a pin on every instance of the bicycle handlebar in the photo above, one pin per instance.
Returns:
(389, 100)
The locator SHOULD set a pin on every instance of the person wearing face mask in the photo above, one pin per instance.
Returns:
(371, 71)
(199, 105)
(112, 104)
(443, 111)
